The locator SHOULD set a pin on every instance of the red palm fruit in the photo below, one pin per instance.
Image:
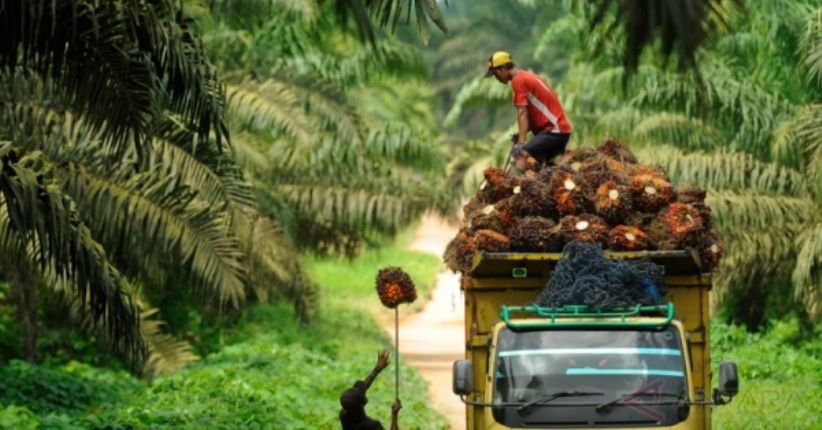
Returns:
(568, 192)
(532, 197)
(498, 184)
(655, 171)
(681, 220)
(459, 252)
(695, 197)
(535, 234)
(628, 238)
(613, 202)
(710, 249)
(617, 151)
(487, 218)
(394, 287)
(579, 159)
(586, 228)
(472, 207)
(491, 241)
(651, 193)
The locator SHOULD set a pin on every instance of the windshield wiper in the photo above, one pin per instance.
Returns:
(622, 399)
(551, 396)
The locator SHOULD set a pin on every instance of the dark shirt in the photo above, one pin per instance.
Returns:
(352, 415)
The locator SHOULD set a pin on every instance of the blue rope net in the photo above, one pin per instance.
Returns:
(584, 276)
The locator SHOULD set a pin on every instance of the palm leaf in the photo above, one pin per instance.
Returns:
(38, 220)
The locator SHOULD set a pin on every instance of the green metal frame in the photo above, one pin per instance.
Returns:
(570, 315)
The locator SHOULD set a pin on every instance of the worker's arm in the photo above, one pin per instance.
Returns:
(382, 363)
(522, 122)
(395, 412)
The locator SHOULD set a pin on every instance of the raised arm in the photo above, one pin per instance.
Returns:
(382, 363)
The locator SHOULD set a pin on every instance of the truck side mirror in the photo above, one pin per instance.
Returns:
(728, 383)
(463, 374)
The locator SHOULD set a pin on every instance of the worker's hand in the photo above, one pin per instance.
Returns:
(395, 407)
(382, 360)
(515, 138)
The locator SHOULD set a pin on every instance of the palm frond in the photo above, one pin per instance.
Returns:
(678, 129)
(479, 91)
(269, 106)
(807, 274)
(388, 13)
(133, 213)
(165, 353)
(799, 144)
(119, 63)
(681, 27)
(811, 46)
(734, 211)
(41, 216)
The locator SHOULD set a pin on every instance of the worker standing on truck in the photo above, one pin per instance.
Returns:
(538, 110)
(353, 401)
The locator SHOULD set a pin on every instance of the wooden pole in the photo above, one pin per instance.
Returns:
(397, 353)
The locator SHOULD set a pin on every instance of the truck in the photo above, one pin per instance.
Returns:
(530, 367)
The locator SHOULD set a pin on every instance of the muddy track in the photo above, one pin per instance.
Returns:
(432, 339)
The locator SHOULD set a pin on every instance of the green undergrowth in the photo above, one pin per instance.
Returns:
(780, 373)
(354, 280)
(272, 373)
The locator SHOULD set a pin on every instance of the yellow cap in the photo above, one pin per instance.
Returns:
(499, 58)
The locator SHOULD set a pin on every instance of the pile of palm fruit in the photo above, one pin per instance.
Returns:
(594, 195)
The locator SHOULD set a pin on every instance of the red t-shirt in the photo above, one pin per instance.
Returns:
(544, 111)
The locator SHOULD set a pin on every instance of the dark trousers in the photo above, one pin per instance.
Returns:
(546, 145)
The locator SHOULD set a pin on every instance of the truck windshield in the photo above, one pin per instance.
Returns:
(627, 377)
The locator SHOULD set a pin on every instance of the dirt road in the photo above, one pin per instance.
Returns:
(432, 339)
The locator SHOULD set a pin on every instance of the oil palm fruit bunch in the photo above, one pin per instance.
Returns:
(585, 228)
(578, 159)
(394, 287)
(498, 184)
(676, 226)
(534, 233)
(568, 192)
(459, 251)
(613, 202)
(651, 193)
(628, 238)
(617, 151)
(695, 197)
(710, 250)
(472, 207)
(487, 218)
(491, 241)
(532, 197)
(644, 169)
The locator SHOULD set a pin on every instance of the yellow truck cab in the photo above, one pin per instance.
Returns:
(572, 367)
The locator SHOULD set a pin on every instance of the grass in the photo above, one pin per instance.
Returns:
(274, 372)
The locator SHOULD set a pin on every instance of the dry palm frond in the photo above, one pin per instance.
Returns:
(535, 234)
(617, 151)
(532, 197)
(586, 228)
(395, 287)
(613, 202)
(492, 241)
(568, 192)
(628, 238)
(651, 193)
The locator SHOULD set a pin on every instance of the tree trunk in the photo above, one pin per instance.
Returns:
(26, 312)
